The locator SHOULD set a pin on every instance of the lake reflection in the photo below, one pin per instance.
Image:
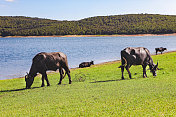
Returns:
(16, 53)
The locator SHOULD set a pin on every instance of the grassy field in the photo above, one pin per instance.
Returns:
(96, 91)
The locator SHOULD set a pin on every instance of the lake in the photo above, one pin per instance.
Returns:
(16, 53)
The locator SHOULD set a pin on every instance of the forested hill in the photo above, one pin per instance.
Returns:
(100, 25)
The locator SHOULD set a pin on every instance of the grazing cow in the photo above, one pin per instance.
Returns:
(47, 61)
(161, 49)
(137, 56)
(86, 64)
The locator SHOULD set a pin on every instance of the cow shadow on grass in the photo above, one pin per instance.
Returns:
(112, 80)
(106, 81)
(15, 90)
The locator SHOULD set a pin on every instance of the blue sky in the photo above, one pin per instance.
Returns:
(79, 9)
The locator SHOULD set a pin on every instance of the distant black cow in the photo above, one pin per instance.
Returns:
(137, 56)
(161, 49)
(86, 64)
(43, 62)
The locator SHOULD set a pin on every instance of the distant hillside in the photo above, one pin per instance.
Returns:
(100, 25)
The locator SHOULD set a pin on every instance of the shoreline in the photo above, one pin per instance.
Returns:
(173, 34)
(107, 62)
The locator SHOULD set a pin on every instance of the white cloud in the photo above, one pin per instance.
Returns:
(9, 0)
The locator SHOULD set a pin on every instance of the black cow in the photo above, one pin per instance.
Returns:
(86, 64)
(161, 49)
(137, 56)
(47, 61)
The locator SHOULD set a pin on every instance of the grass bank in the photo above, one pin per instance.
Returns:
(96, 91)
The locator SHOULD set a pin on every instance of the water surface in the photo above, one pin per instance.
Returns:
(16, 53)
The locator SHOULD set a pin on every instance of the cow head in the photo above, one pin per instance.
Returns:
(165, 48)
(153, 69)
(92, 62)
(29, 80)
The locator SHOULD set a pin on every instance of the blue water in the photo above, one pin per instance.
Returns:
(16, 53)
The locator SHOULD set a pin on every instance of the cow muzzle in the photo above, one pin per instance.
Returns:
(154, 74)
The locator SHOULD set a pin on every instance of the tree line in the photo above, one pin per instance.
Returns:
(100, 25)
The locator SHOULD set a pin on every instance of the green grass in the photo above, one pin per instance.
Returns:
(96, 91)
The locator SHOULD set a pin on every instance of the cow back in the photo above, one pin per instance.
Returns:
(49, 61)
(135, 56)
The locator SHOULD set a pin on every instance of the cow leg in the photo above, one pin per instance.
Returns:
(144, 71)
(68, 73)
(122, 70)
(43, 77)
(61, 76)
(46, 78)
(127, 68)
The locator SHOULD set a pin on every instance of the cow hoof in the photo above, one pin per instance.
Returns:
(59, 83)
(48, 84)
(42, 85)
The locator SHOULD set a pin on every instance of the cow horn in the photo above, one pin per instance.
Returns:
(157, 64)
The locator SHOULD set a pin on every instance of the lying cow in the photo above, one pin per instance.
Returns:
(86, 64)
(137, 56)
(161, 49)
(43, 62)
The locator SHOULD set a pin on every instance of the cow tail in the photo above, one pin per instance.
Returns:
(63, 73)
(148, 54)
(123, 64)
